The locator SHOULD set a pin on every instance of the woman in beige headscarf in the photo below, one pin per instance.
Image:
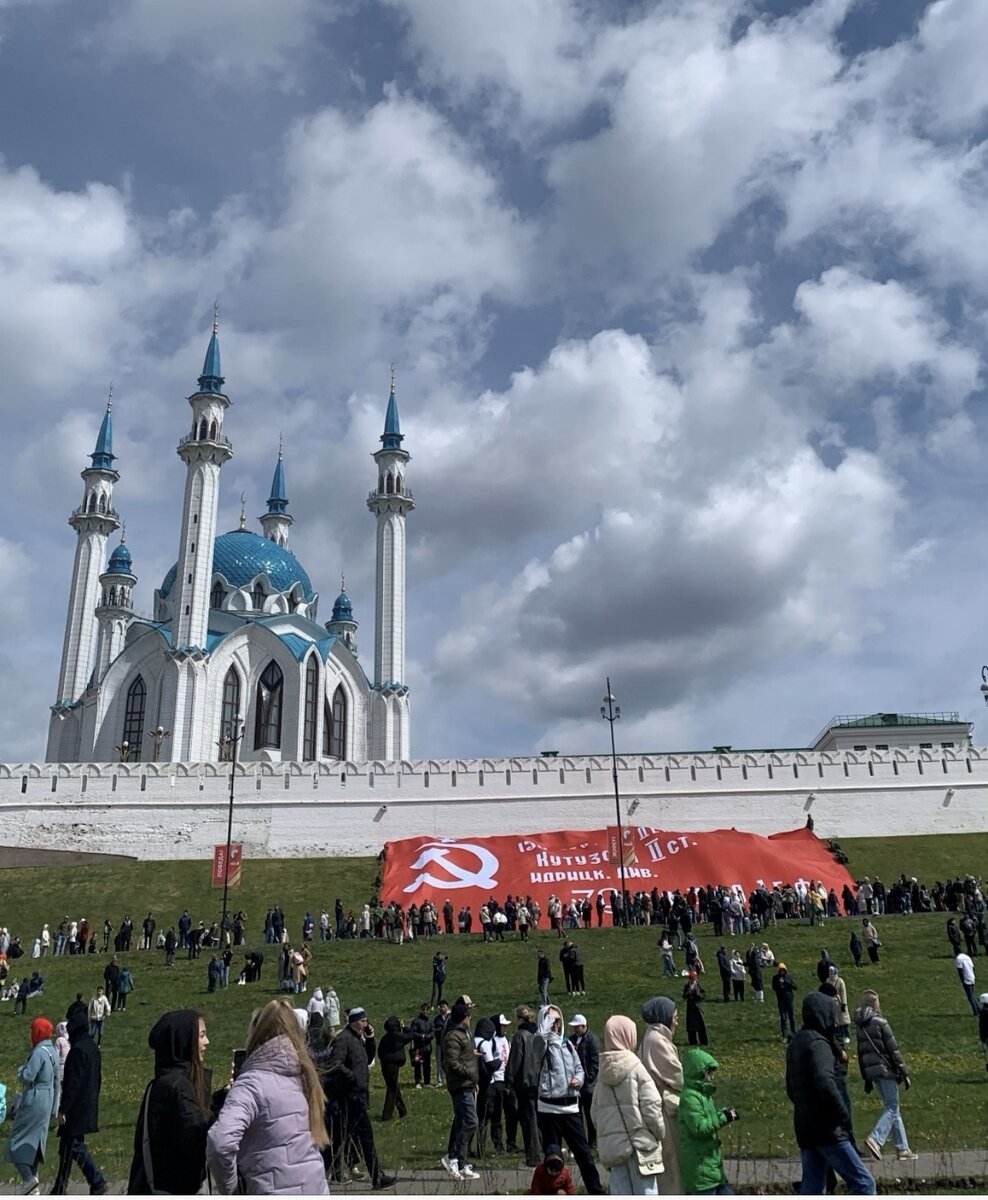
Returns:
(627, 1111)
(661, 1060)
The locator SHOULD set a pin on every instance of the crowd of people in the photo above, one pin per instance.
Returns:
(295, 1113)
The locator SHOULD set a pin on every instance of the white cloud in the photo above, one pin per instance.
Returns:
(235, 40)
(709, 555)
(862, 329)
(527, 62)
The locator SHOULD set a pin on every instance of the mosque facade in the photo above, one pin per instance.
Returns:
(234, 661)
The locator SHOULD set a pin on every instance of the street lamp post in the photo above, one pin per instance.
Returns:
(228, 747)
(158, 735)
(611, 712)
(124, 751)
(984, 684)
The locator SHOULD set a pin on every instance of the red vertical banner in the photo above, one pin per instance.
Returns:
(628, 852)
(219, 864)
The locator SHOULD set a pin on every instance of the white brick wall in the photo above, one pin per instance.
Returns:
(288, 809)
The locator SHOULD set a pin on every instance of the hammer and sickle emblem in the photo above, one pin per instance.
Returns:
(460, 877)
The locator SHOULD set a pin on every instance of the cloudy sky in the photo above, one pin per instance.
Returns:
(686, 298)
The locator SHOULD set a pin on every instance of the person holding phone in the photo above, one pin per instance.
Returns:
(700, 1121)
(177, 1109)
(271, 1130)
(348, 1081)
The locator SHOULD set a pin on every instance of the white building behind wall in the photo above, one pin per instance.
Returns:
(234, 645)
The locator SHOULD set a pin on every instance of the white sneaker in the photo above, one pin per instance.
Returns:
(450, 1166)
(468, 1172)
(29, 1187)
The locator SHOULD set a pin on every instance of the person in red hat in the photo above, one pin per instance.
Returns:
(37, 1104)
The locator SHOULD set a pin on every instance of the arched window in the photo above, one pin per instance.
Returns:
(267, 723)
(311, 710)
(257, 597)
(212, 431)
(217, 595)
(202, 430)
(398, 484)
(391, 485)
(380, 484)
(92, 502)
(334, 729)
(229, 712)
(133, 730)
(102, 504)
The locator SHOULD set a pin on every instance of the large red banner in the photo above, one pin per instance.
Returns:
(580, 863)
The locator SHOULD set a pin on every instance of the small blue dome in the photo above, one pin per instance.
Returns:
(240, 556)
(120, 561)
(342, 608)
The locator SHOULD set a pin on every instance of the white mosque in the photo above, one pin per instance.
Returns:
(234, 657)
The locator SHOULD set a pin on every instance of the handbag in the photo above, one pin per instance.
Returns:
(649, 1161)
(900, 1076)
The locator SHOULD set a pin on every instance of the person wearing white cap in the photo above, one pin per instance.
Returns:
(587, 1047)
(500, 1098)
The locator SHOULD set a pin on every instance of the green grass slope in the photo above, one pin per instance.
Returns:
(921, 996)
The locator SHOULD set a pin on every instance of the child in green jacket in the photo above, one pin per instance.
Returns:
(700, 1157)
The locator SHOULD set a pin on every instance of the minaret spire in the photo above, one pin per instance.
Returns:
(204, 451)
(390, 504)
(392, 437)
(277, 521)
(93, 521)
(211, 379)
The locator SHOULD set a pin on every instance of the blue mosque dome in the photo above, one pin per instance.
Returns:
(342, 608)
(240, 556)
(120, 562)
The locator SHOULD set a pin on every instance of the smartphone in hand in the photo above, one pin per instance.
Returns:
(239, 1058)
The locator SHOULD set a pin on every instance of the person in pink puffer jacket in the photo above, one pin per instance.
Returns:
(271, 1129)
(62, 1046)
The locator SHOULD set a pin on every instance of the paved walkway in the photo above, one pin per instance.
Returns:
(747, 1174)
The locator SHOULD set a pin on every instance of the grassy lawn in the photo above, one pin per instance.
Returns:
(921, 996)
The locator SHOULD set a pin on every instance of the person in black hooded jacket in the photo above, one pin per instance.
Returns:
(78, 1108)
(178, 1109)
(391, 1056)
(821, 1115)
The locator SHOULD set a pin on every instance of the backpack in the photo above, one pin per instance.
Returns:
(531, 1066)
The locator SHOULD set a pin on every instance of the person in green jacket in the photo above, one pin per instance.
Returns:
(700, 1157)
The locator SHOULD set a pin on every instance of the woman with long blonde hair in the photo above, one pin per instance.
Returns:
(271, 1129)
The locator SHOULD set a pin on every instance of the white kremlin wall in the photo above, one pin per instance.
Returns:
(179, 810)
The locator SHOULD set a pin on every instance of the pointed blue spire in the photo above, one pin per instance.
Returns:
(103, 455)
(278, 500)
(211, 379)
(392, 437)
